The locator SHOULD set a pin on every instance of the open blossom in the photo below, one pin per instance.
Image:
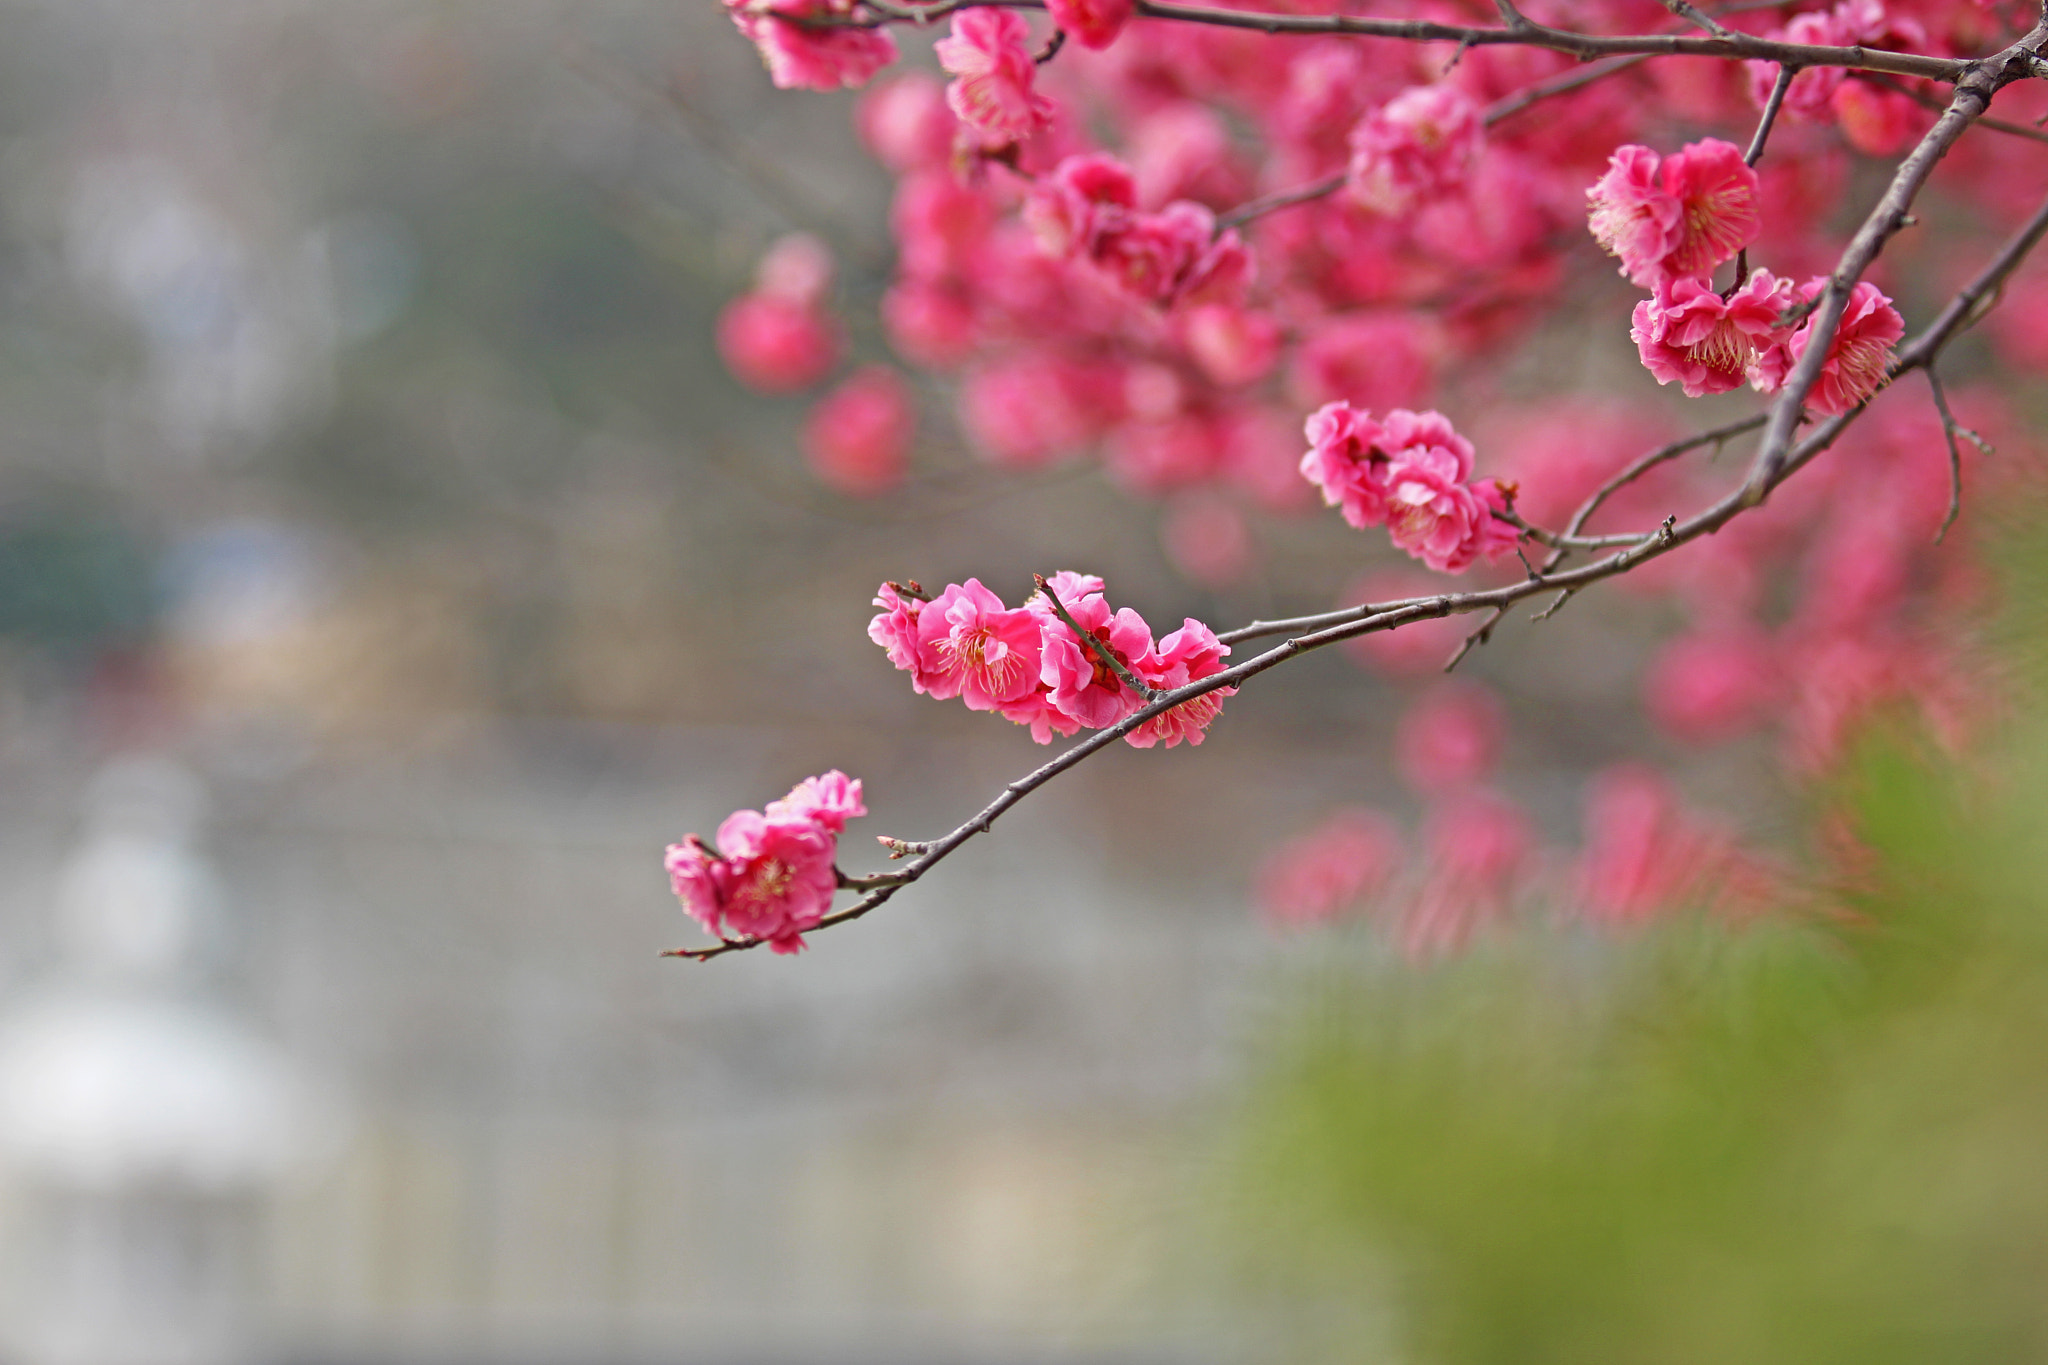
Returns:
(895, 630)
(1083, 687)
(989, 56)
(1860, 355)
(972, 647)
(828, 801)
(802, 57)
(1091, 23)
(1187, 655)
(1676, 217)
(1419, 145)
(1688, 334)
(1446, 524)
(1350, 453)
(1319, 874)
(771, 877)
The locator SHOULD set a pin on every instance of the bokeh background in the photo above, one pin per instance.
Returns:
(388, 570)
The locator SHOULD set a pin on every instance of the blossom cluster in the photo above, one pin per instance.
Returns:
(770, 876)
(1673, 221)
(1031, 666)
(1411, 473)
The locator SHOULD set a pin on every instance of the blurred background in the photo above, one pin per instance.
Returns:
(388, 570)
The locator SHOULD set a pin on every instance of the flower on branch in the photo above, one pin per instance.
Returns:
(1091, 23)
(1413, 474)
(771, 876)
(803, 56)
(1690, 335)
(989, 57)
(1676, 217)
(1860, 353)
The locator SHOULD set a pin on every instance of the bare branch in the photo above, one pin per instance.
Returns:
(1772, 105)
(1280, 199)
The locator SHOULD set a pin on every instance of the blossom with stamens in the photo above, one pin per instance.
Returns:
(974, 648)
(1689, 334)
(1082, 685)
(1860, 353)
(1675, 217)
(771, 877)
(1187, 655)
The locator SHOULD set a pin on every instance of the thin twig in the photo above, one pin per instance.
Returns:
(1772, 105)
(1927, 101)
(1280, 199)
(1100, 648)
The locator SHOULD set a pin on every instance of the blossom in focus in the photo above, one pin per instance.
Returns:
(1350, 454)
(988, 55)
(857, 438)
(1187, 655)
(1319, 874)
(896, 631)
(771, 877)
(828, 801)
(1676, 217)
(1417, 146)
(973, 647)
(1446, 524)
(1083, 687)
(1859, 355)
(1688, 334)
(1091, 23)
(800, 56)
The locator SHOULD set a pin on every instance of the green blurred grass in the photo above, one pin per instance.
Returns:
(1814, 1139)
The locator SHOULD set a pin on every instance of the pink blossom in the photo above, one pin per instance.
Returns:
(803, 57)
(1317, 875)
(1418, 146)
(797, 267)
(1678, 218)
(857, 438)
(1350, 454)
(973, 647)
(1442, 522)
(906, 124)
(1152, 457)
(989, 56)
(1860, 353)
(1184, 151)
(1156, 255)
(1449, 738)
(775, 345)
(1083, 687)
(770, 880)
(1189, 654)
(896, 631)
(828, 801)
(1712, 685)
(1080, 198)
(1688, 333)
(1091, 23)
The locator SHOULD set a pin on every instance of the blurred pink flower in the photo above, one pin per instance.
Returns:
(1418, 146)
(1712, 685)
(1208, 541)
(1319, 874)
(857, 437)
(775, 345)
(1449, 738)
(1091, 23)
(906, 124)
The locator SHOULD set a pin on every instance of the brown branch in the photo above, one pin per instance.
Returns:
(1772, 105)
(1978, 83)
(1099, 648)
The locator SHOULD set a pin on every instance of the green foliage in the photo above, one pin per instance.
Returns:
(1802, 1141)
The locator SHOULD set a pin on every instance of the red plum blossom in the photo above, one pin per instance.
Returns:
(989, 57)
